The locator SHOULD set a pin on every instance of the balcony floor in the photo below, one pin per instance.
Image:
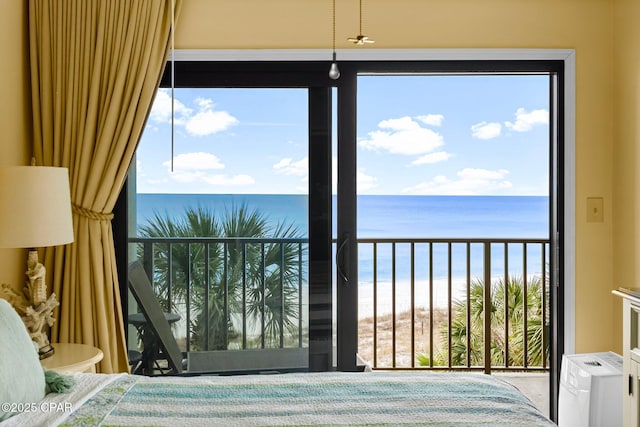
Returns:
(533, 385)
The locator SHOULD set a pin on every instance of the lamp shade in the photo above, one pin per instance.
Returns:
(35, 207)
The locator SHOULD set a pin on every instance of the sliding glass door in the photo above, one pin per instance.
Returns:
(451, 168)
(230, 203)
(450, 199)
(309, 151)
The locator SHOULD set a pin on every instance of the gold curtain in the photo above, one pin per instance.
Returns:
(95, 69)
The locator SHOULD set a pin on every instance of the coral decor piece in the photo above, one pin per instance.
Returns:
(33, 305)
(36, 285)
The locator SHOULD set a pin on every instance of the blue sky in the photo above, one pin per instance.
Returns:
(417, 135)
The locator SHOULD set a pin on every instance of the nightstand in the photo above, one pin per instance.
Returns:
(631, 354)
(69, 358)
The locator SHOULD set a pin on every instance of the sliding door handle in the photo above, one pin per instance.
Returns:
(341, 253)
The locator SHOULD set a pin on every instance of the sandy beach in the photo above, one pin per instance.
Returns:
(403, 326)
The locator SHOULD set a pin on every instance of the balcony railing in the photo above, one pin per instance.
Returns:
(427, 299)
(421, 300)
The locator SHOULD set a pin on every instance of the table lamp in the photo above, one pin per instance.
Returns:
(35, 211)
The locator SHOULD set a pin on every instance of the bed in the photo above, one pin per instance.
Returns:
(330, 398)
(336, 398)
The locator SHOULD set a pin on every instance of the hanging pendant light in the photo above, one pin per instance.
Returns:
(334, 72)
(360, 39)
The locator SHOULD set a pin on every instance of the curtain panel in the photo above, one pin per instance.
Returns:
(95, 69)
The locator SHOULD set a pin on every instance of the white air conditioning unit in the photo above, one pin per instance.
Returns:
(590, 390)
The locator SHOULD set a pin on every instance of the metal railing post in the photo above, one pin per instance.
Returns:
(188, 296)
(486, 305)
(207, 285)
(147, 259)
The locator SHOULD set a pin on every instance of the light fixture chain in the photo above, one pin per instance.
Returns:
(334, 25)
(361, 17)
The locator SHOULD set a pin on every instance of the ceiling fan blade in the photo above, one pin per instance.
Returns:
(360, 39)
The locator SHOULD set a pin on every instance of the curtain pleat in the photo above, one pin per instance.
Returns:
(95, 69)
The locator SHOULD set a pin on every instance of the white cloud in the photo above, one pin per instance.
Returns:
(195, 177)
(364, 182)
(204, 103)
(157, 181)
(207, 122)
(190, 168)
(485, 130)
(202, 122)
(437, 157)
(482, 174)
(193, 168)
(139, 168)
(287, 166)
(525, 121)
(195, 161)
(187, 177)
(161, 109)
(402, 136)
(468, 182)
(431, 119)
(334, 175)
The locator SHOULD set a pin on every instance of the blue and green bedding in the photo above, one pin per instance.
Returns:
(299, 399)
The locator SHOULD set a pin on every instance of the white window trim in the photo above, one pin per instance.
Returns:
(566, 55)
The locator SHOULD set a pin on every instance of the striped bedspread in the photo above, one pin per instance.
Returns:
(368, 398)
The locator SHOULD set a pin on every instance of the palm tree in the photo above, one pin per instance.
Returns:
(254, 283)
(513, 317)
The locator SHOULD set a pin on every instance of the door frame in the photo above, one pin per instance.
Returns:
(565, 155)
(568, 154)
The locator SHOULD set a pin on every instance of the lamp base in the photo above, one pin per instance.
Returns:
(46, 351)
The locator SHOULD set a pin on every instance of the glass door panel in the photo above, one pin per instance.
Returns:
(452, 193)
(222, 224)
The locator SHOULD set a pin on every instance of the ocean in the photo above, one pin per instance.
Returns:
(383, 216)
(405, 217)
